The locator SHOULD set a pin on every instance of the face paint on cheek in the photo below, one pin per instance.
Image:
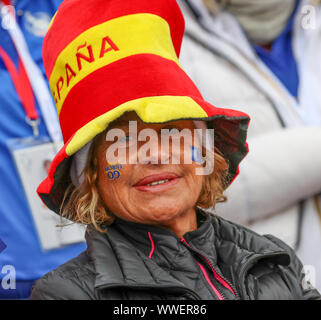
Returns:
(196, 155)
(113, 171)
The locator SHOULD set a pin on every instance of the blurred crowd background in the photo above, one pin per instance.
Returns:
(262, 57)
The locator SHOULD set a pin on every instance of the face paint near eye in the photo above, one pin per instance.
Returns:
(196, 155)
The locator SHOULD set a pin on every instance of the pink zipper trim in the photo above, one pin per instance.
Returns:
(183, 239)
(209, 282)
(216, 276)
(153, 246)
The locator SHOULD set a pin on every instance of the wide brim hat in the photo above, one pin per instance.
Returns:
(105, 58)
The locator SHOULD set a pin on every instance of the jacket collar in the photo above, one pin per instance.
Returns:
(138, 255)
(118, 263)
(161, 244)
(120, 258)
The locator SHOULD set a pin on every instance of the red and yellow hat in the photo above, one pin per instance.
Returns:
(104, 58)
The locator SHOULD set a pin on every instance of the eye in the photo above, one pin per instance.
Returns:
(125, 139)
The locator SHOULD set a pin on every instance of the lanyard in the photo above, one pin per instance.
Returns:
(30, 73)
(24, 90)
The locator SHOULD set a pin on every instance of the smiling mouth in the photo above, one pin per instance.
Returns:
(156, 183)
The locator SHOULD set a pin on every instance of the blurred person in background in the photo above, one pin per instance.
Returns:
(22, 259)
(263, 57)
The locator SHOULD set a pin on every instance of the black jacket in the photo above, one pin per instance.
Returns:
(219, 260)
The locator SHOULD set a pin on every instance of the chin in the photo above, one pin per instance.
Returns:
(164, 214)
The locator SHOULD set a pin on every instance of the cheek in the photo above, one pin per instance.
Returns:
(193, 180)
(198, 179)
(111, 187)
(114, 178)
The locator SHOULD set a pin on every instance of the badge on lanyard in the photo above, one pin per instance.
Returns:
(33, 156)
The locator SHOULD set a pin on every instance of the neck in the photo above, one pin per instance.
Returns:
(183, 223)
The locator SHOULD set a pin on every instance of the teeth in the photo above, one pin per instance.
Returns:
(158, 182)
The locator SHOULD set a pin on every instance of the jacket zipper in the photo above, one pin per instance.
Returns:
(216, 290)
(199, 254)
(217, 275)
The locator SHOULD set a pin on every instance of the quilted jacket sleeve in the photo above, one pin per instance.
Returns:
(54, 286)
(71, 281)
(295, 276)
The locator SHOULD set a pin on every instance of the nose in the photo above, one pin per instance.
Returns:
(152, 150)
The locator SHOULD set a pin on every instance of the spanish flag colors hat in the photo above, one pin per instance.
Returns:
(106, 57)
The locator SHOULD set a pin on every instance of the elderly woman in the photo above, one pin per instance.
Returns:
(115, 76)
